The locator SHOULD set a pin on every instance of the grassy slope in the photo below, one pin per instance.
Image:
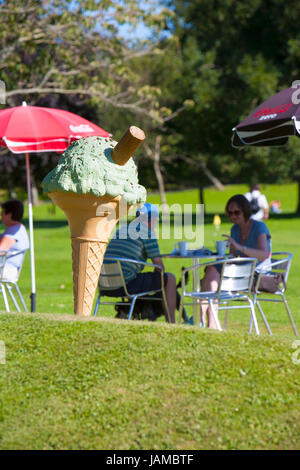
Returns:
(67, 384)
(105, 384)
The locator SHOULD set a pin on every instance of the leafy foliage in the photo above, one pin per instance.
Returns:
(236, 56)
(72, 55)
(196, 71)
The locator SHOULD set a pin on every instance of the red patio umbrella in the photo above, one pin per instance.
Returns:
(272, 122)
(26, 129)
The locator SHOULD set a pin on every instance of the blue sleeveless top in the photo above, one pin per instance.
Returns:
(256, 230)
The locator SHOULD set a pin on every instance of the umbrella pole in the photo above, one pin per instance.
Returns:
(30, 217)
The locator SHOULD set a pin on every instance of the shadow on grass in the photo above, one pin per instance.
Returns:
(47, 223)
(208, 219)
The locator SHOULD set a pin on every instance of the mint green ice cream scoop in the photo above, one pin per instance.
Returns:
(87, 166)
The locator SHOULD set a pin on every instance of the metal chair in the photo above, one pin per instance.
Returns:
(11, 285)
(280, 263)
(235, 286)
(112, 278)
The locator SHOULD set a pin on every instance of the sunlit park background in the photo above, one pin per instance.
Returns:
(53, 246)
(196, 71)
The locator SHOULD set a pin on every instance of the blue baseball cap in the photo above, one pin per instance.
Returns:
(150, 209)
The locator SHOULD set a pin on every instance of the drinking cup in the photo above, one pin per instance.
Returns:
(221, 247)
(182, 248)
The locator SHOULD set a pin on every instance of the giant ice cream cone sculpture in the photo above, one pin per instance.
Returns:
(94, 183)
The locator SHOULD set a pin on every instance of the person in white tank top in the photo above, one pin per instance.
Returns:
(14, 238)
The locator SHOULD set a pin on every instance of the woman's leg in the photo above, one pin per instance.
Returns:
(209, 283)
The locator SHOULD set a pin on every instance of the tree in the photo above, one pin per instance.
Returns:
(75, 48)
(236, 56)
(72, 55)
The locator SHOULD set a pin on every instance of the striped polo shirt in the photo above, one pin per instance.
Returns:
(137, 243)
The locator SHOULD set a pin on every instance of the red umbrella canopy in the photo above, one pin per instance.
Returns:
(272, 122)
(26, 129)
(34, 129)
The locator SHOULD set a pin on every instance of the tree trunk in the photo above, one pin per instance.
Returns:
(34, 192)
(215, 181)
(298, 202)
(11, 191)
(155, 156)
(201, 195)
(158, 173)
(35, 196)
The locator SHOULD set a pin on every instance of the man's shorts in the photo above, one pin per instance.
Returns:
(143, 282)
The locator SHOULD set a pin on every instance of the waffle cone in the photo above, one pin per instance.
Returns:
(87, 258)
(91, 221)
(90, 217)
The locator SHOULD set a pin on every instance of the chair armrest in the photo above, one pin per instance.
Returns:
(267, 269)
(282, 253)
(212, 263)
(200, 265)
(132, 261)
(10, 254)
(197, 267)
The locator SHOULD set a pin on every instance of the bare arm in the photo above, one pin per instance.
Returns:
(6, 243)
(261, 252)
(158, 260)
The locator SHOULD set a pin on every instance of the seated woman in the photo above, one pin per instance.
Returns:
(14, 238)
(248, 238)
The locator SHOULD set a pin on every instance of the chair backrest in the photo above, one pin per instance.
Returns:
(3, 257)
(237, 275)
(111, 276)
(21, 253)
(281, 263)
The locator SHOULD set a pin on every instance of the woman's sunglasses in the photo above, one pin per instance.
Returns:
(230, 213)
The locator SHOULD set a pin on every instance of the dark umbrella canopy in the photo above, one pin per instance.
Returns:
(272, 122)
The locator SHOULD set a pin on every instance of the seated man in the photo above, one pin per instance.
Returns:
(137, 240)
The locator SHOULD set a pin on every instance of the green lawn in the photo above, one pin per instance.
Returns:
(72, 383)
(131, 385)
(215, 200)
